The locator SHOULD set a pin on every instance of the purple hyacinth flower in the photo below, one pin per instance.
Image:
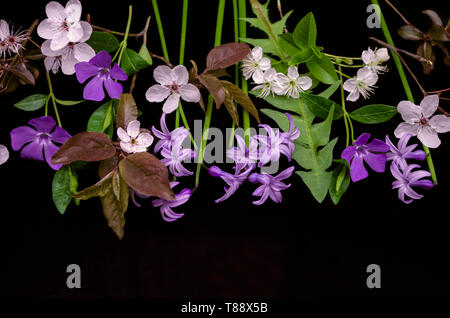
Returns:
(287, 146)
(233, 181)
(270, 146)
(406, 179)
(166, 206)
(39, 140)
(167, 137)
(242, 155)
(99, 68)
(174, 157)
(271, 186)
(399, 154)
(373, 153)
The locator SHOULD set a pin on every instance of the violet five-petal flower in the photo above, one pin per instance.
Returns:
(271, 186)
(373, 153)
(419, 122)
(133, 140)
(166, 137)
(399, 154)
(99, 68)
(62, 24)
(407, 178)
(166, 206)
(233, 181)
(173, 84)
(39, 140)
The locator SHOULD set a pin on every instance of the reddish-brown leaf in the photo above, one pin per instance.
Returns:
(85, 146)
(22, 72)
(146, 174)
(226, 55)
(231, 107)
(409, 32)
(127, 110)
(426, 51)
(215, 88)
(241, 98)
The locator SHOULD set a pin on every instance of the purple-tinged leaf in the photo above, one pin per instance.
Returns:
(409, 32)
(435, 19)
(215, 88)
(127, 111)
(241, 98)
(226, 55)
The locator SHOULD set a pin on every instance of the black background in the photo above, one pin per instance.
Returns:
(297, 249)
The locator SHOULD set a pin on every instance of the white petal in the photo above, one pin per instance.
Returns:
(305, 82)
(410, 113)
(83, 52)
(47, 29)
(144, 140)
(350, 85)
(181, 74)
(133, 128)
(429, 105)
(59, 41)
(353, 96)
(47, 51)
(406, 128)
(292, 72)
(429, 137)
(367, 75)
(122, 134)
(258, 77)
(4, 154)
(4, 30)
(367, 56)
(171, 103)
(189, 93)
(87, 31)
(264, 64)
(68, 63)
(127, 147)
(49, 62)
(75, 32)
(257, 53)
(382, 54)
(73, 11)
(440, 123)
(157, 93)
(55, 11)
(162, 74)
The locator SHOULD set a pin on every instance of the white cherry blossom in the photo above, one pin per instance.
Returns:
(133, 140)
(267, 83)
(373, 59)
(292, 84)
(255, 64)
(363, 84)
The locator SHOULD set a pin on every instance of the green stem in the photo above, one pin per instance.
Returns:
(52, 97)
(349, 66)
(209, 107)
(342, 57)
(127, 32)
(243, 33)
(340, 72)
(347, 138)
(160, 29)
(405, 83)
(182, 49)
(236, 66)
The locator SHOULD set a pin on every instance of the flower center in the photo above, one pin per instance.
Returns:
(133, 141)
(11, 40)
(65, 26)
(43, 138)
(174, 87)
(424, 121)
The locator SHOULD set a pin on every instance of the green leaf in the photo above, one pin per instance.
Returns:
(276, 28)
(266, 45)
(287, 44)
(283, 122)
(321, 106)
(305, 33)
(320, 132)
(327, 93)
(145, 54)
(302, 56)
(68, 102)
(373, 114)
(318, 182)
(322, 69)
(339, 182)
(61, 189)
(32, 102)
(102, 118)
(132, 62)
(103, 41)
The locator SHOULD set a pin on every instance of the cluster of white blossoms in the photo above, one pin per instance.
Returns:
(268, 80)
(65, 35)
(366, 77)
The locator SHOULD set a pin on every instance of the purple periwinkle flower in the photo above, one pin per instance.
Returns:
(406, 179)
(271, 186)
(39, 140)
(373, 153)
(233, 181)
(166, 206)
(99, 68)
(287, 146)
(242, 155)
(174, 157)
(167, 137)
(399, 154)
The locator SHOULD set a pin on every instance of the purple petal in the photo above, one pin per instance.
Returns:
(403, 142)
(102, 59)
(357, 169)
(416, 155)
(424, 184)
(60, 135)
(362, 140)
(21, 135)
(285, 174)
(85, 70)
(43, 124)
(32, 151)
(94, 90)
(375, 161)
(117, 73)
(49, 151)
(113, 88)
(377, 145)
(348, 153)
